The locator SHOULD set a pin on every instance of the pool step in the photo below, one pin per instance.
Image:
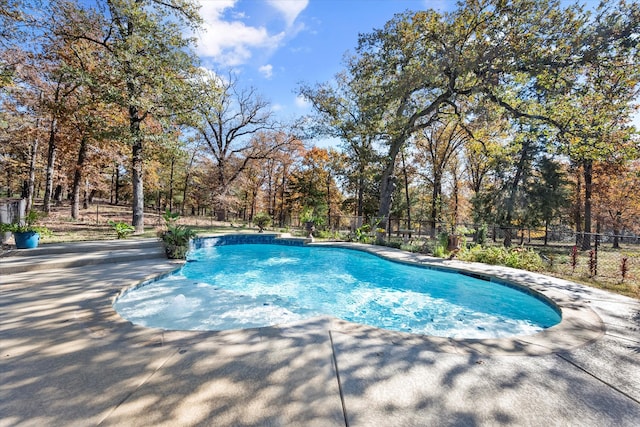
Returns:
(65, 255)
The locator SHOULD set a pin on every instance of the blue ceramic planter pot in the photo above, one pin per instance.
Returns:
(26, 240)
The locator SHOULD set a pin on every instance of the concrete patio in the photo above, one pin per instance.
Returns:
(67, 359)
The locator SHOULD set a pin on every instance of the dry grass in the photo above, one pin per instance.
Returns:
(608, 274)
(93, 224)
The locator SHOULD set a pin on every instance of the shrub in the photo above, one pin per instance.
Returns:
(391, 244)
(361, 234)
(443, 239)
(413, 246)
(328, 234)
(26, 225)
(122, 229)
(481, 235)
(439, 248)
(525, 259)
(439, 251)
(170, 218)
(262, 220)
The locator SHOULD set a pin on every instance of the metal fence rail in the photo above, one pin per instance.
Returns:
(401, 227)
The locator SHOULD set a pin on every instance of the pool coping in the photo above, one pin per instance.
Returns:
(579, 325)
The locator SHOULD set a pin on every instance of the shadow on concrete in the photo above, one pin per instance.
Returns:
(414, 386)
(68, 359)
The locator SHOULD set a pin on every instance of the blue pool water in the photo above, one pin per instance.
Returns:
(254, 285)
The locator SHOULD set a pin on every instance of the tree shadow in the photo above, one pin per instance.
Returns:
(68, 359)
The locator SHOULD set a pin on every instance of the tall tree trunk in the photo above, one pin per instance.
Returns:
(273, 203)
(222, 190)
(546, 232)
(388, 183)
(616, 230)
(187, 176)
(254, 195)
(525, 155)
(360, 207)
(173, 162)
(117, 187)
(436, 203)
(32, 170)
(578, 211)
(282, 193)
(88, 195)
(329, 200)
(588, 188)
(51, 159)
(387, 188)
(137, 158)
(406, 192)
(456, 200)
(77, 178)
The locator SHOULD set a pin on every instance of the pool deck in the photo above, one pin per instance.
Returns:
(67, 359)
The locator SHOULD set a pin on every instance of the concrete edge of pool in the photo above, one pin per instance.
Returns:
(579, 325)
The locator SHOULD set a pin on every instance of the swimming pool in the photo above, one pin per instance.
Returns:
(229, 285)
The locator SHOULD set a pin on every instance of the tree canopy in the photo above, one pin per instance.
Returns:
(515, 113)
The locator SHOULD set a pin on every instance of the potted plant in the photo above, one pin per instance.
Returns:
(176, 241)
(25, 232)
(175, 238)
(310, 220)
(457, 238)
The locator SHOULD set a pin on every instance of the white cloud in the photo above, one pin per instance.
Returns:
(440, 5)
(212, 10)
(266, 71)
(301, 102)
(231, 42)
(208, 74)
(290, 9)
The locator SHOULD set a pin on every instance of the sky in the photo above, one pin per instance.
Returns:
(274, 45)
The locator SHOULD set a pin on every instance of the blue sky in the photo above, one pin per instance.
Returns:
(274, 45)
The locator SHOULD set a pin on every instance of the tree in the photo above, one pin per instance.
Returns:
(616, 202)
(195, 150)
(548, 192)
(58, 87)
(149, 57)
(592, 101)
(278, 169)
(484, 153)
(524, 149)
(90, 116)
(340, 115)
(313, 186)
(436, 146)
(12, 14)
(237, 126)
(599, 132)
(487, 50)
